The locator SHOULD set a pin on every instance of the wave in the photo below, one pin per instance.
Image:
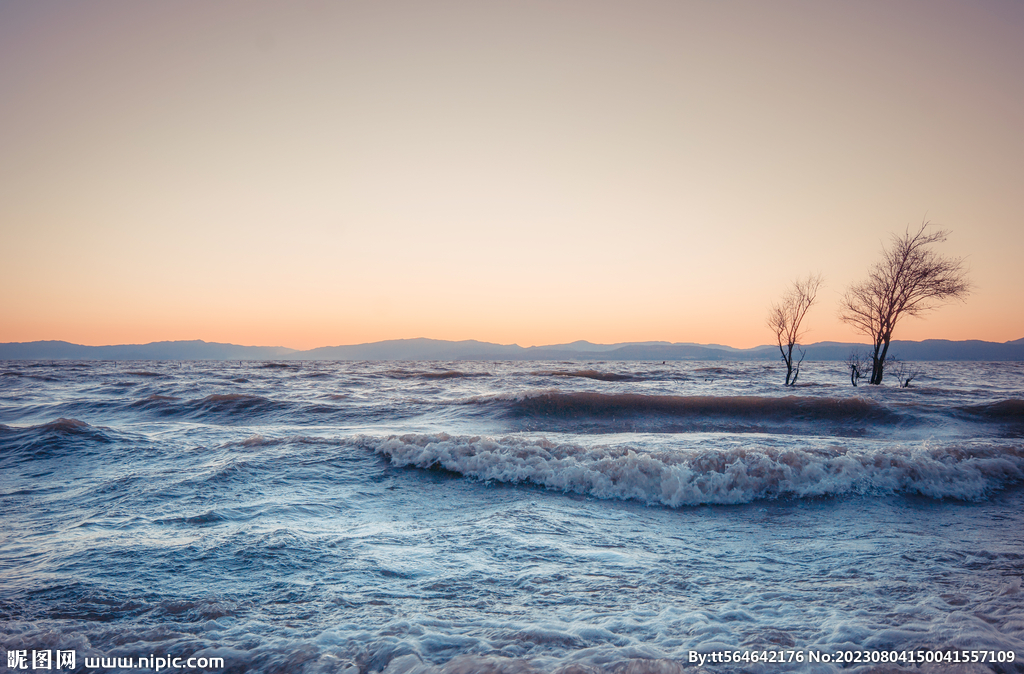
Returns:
(728, 476)
(254, 441)
(1004, 410)
(231, 404)
(156, 397)
(25, 375)
(588, 374)
(61, 437)
(66, 426)
(590, 412)
(587, 404)
(221, 405)
(444, 374)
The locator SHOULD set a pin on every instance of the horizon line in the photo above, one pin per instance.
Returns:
(515, 345)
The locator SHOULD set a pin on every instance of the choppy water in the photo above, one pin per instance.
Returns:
(508, 517)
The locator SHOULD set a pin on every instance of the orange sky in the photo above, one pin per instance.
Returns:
(321, 173)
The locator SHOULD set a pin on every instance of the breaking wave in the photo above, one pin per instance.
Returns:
(738, 475)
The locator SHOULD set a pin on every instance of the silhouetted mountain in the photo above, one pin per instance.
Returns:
(415, 349)
(182, 350)
(435, 349)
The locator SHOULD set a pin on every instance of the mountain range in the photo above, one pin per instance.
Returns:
(435, 349)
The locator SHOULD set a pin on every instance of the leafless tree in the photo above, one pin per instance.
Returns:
(902, 370)
(785, 317)
(858, 364)
(910, 280)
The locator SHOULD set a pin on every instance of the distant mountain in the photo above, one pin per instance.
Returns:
(679, 352)
(435, 349)
(182, 350)
(583, 346)
(415, 349)
(929, 349)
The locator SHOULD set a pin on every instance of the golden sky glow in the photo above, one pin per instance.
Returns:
(319, 173)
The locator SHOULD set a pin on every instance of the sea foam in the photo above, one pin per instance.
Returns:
(966, 471)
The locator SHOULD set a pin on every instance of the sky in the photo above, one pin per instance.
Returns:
(307, 174)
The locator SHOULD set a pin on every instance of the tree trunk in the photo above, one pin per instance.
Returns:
(788, 359)
(878, 361)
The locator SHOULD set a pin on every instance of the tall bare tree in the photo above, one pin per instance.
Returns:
(909, 280)
(785, 317)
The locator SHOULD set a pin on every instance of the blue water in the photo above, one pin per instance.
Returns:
(509, 517)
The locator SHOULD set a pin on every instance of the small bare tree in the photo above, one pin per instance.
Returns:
(785, 317)
(902, 370)
(910, 280)
(858, 364)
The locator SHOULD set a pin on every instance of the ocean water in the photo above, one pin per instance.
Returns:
(578, 518)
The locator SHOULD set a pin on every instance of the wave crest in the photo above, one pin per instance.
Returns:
(589, 374)
(59, 438)
(588, 404)
(443, 374)
(1004, 410)
(692, 477)
(216, 406)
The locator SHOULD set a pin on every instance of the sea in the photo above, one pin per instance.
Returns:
(509, 517)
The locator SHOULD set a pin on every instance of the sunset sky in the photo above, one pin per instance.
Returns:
(319, 173)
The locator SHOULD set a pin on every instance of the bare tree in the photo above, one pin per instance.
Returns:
(785, 317)
(858, 364)
(910, 280)
(902, 370)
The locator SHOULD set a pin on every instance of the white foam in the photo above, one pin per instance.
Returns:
(681, 477)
